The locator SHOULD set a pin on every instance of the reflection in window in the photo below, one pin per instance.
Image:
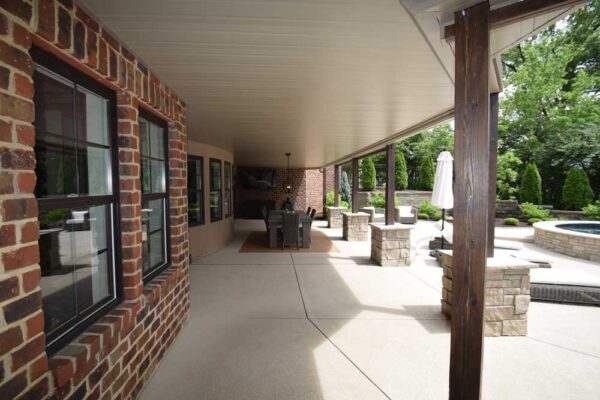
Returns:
(228, 190)
(153, 136)
(75, 196)
(195, 180)
(216, 195)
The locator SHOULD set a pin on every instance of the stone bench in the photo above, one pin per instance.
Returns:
(355, 226)
(390, 245)
(507, 294)
(334, 217)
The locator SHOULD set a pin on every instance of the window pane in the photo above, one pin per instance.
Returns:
(195, 207)
(157, 142)
(55, 169)
(215, 175)
(95, 171)
(74, 256)
(144, 138)
(153, 247)
(92, 112)
(157, 172)
(215, 206)
(146, 176)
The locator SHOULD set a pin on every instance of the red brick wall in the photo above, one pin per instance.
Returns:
(307, 190)
(115, 356)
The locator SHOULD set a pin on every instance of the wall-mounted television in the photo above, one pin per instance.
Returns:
(257, 178)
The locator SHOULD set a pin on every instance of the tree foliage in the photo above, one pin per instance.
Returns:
(367, 174)
(531, 185)
(507, 176)
(426, 174)
(577, 192)
(401, 172)
(345, 192)
(550, 107)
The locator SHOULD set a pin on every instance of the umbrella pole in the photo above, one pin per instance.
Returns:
(443, 213)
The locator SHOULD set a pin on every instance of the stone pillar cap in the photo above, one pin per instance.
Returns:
(397, 226)
(502, 262)
(351, 214)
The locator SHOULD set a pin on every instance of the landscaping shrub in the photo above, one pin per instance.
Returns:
(432, 211)
(592, 211)
(367, 174)
(507, 176)
(531, 185)
(422, 216)
(576, 192)
(377, 200)
(345, 191)
(426, 174)
(531, 211)
(532, 221)
(330, 200)
(401, 172)
(511, 221)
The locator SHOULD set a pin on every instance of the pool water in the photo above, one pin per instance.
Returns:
(592, 229)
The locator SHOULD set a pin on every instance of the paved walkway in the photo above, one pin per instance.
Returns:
(334, 326)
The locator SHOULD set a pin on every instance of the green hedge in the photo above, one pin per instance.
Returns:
(401, 172)
(426, 174)
(531, 185)
(577, 192)
(367, 174)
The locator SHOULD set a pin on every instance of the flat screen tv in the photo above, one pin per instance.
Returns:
(257, 178)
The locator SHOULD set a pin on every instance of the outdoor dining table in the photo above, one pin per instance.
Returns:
(276, 219)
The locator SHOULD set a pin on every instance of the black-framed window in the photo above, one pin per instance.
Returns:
(195, 181)
(228, 204)
(155, 199)
(216, 192)
(77, 193)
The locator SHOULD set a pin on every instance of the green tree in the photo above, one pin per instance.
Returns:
(345, 194)
(507, 176)
(531, 185)
(401, 172)
(550, 110)
(367, 174)
(426, 174)
(577, 192)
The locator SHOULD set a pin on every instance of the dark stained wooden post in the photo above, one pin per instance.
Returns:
(471, 160)
(390, 184)
(336, 184)
(493, 171)
(355, 185)
(324, 189)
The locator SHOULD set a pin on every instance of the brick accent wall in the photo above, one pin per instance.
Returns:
(307, 190)
(115, 356)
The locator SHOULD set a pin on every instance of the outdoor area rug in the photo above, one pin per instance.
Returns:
(258, 242)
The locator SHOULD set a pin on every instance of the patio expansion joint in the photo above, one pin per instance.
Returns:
(562, 347)
(329, 339)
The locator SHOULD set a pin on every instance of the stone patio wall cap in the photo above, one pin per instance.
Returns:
(397, 226)
(502, 262)
(336, 208)
(351, 214)
(554, 227)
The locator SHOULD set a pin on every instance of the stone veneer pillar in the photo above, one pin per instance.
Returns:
(334, 217)
(355, 226)
(370, 211)
(507, 294)
(390, 245)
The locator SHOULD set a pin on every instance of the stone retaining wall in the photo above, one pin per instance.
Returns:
(573, 244)
(355, 226)
(406, 197)
(507, 294)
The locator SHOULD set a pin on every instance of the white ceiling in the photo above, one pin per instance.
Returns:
(320, 79)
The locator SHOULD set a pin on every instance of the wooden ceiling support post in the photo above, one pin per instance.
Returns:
(390, 184)
(493, 172)
(355, 184)
(472, 148)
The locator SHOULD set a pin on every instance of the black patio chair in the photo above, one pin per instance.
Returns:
(308, 210)
(291, 233)
(312, 213)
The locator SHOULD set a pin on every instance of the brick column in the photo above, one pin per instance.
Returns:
(130, 195)
(23, 361)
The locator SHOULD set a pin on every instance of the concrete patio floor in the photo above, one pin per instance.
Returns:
(335, 326)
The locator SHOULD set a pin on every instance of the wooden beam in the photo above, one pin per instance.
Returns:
(493, 172)
(324, 189)
(519, 11)
(471, 142)
(390, 184)
(355, 184)
(337, 175)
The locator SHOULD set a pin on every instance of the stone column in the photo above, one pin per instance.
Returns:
(356, 226)
(334, 217)
(370, 211)
(390, 245)
(507, 294)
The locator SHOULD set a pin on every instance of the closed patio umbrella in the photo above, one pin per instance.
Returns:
(443, 196)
